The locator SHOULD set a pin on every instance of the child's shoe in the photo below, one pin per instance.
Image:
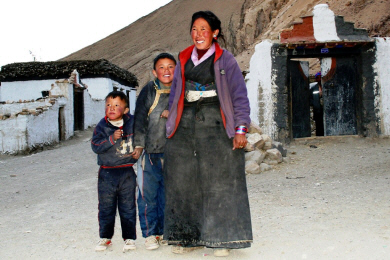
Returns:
(103, 244)
(129, 245)
(151, 243)
(160, 239)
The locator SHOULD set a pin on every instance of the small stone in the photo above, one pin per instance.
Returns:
(274, 155)
(252, 167)
(253, 128)
(265, 167)
(256, 155)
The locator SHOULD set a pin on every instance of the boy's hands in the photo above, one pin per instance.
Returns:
(117, 134)
(137, 152)
(165, 114)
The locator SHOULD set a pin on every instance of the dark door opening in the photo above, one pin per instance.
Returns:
(326, 106)
(300, 98)
(61, 124)
(78, 109)
(339, 97)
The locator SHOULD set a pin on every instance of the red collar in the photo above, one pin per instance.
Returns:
(185, 55)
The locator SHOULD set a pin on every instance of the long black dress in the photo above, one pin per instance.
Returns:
(206, 194)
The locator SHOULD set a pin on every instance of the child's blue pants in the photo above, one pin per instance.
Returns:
(116, 189)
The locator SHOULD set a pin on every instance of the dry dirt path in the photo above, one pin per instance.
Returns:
(332, 201)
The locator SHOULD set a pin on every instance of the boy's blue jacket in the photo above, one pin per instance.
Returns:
(110, 153)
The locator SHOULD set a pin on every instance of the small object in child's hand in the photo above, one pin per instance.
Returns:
(123, 136)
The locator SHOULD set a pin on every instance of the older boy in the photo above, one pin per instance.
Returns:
(149, 135)
(112, 141)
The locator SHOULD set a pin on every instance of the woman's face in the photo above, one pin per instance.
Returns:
(202, 35)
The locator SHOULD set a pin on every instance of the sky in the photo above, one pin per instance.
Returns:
(47, 30)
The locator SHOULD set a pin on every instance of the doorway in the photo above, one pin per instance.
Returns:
(78, 108)
(61, 124)
(327, 107)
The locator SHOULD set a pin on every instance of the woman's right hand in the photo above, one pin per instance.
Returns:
(239, 141)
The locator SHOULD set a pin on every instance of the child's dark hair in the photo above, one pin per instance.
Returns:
(212, 20)
(163, 55)
(120, 94)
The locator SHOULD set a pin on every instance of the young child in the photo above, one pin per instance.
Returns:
(151, 113)
(112, 142)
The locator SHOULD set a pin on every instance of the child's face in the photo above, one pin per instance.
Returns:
(115, 108)
(164, 71)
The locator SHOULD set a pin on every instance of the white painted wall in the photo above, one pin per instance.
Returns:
(93, 110)
(21, 132)
(98, 88)
(132, 100)
(24, 90)
(43, 128)
(13, 134)
(261, 87)
(382, 69)
(324, 24)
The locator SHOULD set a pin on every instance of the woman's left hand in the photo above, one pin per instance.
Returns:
(239, 141)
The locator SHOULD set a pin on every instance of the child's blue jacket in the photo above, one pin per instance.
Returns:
(113, 154)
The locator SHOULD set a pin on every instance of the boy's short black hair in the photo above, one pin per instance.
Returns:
(120, 94)
(163, 55)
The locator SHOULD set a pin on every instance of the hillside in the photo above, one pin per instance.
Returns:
(245, 23)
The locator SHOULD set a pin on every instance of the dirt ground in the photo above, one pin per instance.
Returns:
(331, 201)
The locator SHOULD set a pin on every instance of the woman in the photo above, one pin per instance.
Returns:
(206, 194)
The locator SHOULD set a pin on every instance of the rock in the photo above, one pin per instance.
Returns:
(267, 142)
(265, 167)
(256, 155)
(267, 145)
(253, 128)
(274, 155)
(253, 138)
(249, 147)
(252, 167)
(280, 147)
(256, 140)
(272, 162)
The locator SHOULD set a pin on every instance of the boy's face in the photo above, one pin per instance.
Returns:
(115, 108)
(164, 71)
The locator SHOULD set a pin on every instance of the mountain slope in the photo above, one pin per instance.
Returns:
(244, 22)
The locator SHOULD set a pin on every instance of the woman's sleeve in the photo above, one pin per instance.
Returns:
(238, 93)
(176, 76)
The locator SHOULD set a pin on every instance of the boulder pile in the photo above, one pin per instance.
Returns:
(261, 152)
